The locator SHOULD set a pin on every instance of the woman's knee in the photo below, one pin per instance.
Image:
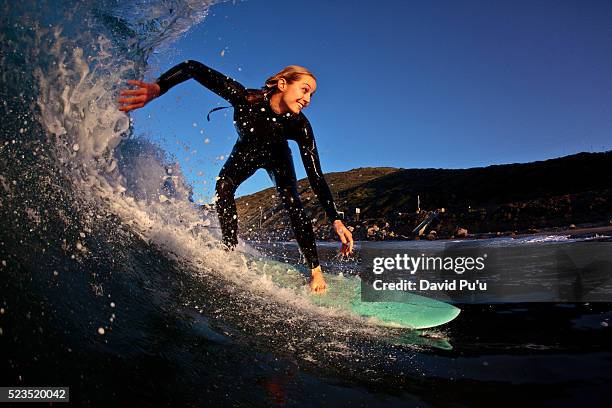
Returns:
(290, 198)
(225, 187)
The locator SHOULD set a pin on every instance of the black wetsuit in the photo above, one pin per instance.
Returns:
(262, 143)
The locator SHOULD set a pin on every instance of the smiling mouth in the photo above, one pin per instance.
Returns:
(300, 105)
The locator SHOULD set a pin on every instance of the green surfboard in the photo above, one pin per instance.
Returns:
(407, 310)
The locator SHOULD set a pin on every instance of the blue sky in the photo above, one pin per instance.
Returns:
(412, 84)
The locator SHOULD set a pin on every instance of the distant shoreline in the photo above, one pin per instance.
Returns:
(584, 232)
(579, 232)
(573, 231)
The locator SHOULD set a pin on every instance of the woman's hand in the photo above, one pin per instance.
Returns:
(141, 96)
(317, 281)
(345, 236)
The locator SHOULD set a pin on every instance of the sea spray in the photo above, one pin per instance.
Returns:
(84, 224)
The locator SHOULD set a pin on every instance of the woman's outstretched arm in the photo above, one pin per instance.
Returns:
(222, 85)
(225, 87)
(312, 164)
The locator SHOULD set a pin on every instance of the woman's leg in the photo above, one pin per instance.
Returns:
(238, 167)
(283, 176)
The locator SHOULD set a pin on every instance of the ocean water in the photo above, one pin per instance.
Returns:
(112, 281)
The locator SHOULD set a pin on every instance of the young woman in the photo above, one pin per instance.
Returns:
(265, 120)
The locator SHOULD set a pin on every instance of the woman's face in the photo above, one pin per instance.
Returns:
(295, 96)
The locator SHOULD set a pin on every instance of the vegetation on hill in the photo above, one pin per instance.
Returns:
(522, 197)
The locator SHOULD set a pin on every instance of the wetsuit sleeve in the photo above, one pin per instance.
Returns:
(225, 87)
(310, 158)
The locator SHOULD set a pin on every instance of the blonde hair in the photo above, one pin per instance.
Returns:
(290, 73)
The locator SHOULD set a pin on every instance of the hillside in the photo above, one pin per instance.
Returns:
(522, 197)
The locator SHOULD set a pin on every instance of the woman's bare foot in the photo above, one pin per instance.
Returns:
(317, 282)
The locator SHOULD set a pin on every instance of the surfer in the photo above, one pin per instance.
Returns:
(265, 119)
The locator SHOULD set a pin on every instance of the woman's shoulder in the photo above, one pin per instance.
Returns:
(302, 120)
(253, 97)
(300, 127)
